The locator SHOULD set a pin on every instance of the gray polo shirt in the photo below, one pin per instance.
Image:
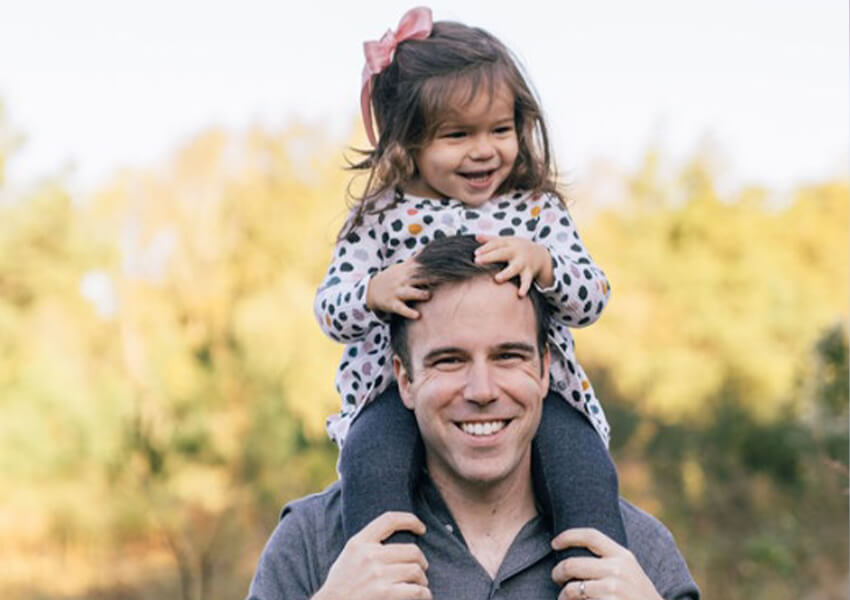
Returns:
(301, 550)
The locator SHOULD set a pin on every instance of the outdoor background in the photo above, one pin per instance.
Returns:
(171, 184)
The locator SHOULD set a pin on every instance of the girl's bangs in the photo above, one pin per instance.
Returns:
(442, 94)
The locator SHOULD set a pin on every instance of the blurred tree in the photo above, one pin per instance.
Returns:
(163, 385)
(216, 323)
(148, 368)
(708, 290)
(762, 503)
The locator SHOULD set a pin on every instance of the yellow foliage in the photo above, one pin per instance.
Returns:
(693, 479)
(707, 290)
(201, 377)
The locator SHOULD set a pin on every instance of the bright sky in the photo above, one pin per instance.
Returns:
(98, 84)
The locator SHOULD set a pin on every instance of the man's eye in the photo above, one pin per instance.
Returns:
(510, 356)
(446, 361)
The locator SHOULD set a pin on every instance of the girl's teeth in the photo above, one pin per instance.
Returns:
(483, 428)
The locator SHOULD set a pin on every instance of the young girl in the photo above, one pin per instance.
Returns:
(462, 148)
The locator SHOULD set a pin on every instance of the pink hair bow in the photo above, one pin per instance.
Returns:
(416, 24)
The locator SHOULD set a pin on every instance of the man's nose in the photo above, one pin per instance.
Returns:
(480, 385)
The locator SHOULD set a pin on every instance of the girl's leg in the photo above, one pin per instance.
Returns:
(575, 478)
(379, 464)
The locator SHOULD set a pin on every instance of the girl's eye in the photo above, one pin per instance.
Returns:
(454, 134)
(504, 129)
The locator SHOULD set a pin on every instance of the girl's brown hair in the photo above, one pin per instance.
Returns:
(420, 84)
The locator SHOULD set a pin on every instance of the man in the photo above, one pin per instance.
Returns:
(474, 370)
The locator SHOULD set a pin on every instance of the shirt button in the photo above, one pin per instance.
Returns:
(449, 528)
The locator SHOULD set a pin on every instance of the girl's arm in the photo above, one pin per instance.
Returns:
(580, 289)
(340, 304)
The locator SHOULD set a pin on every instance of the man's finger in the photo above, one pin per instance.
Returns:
(404, 553)
(406, 573)
(574, 590)
(409, 591)
(592, 539)
(584, 567)
(387, 524)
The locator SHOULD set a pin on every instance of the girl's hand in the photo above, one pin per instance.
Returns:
(391, 288)
(528, 260)
(614, 575)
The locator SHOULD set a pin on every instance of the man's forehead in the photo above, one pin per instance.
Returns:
(479, 311)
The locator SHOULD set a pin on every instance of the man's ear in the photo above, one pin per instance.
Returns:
(401, 376)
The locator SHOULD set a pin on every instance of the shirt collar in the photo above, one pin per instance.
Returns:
(531, 544)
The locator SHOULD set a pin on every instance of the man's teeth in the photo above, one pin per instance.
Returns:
(483, 428)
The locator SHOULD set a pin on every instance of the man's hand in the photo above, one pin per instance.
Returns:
(526, 259)
(390, 289)
(615, 575)
(369, 570)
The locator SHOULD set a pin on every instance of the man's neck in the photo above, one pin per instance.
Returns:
(489, 515)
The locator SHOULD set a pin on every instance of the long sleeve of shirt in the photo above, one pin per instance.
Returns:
(340, 304)
(580, 290)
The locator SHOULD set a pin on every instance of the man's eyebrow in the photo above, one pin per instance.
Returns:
(517, 346)
(505, 347)
(436, 352)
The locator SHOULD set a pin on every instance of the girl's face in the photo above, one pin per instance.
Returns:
(472, 151)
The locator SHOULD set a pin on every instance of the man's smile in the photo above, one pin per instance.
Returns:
(483, 428)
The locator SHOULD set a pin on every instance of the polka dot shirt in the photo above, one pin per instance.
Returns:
(577, 297)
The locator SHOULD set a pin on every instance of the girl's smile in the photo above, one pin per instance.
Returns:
(471, 153)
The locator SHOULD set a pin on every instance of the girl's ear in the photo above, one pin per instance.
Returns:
(401, 376)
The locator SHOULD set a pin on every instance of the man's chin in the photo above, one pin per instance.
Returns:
(484, 473)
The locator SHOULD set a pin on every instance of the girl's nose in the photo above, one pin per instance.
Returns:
(480, 386)
(482, 148)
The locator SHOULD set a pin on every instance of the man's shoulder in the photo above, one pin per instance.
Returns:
(301, 549)
(655, 549)
(321, 504)
(642, 525)
(318, 518)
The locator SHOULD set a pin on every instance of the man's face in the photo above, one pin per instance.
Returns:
(476, 381)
